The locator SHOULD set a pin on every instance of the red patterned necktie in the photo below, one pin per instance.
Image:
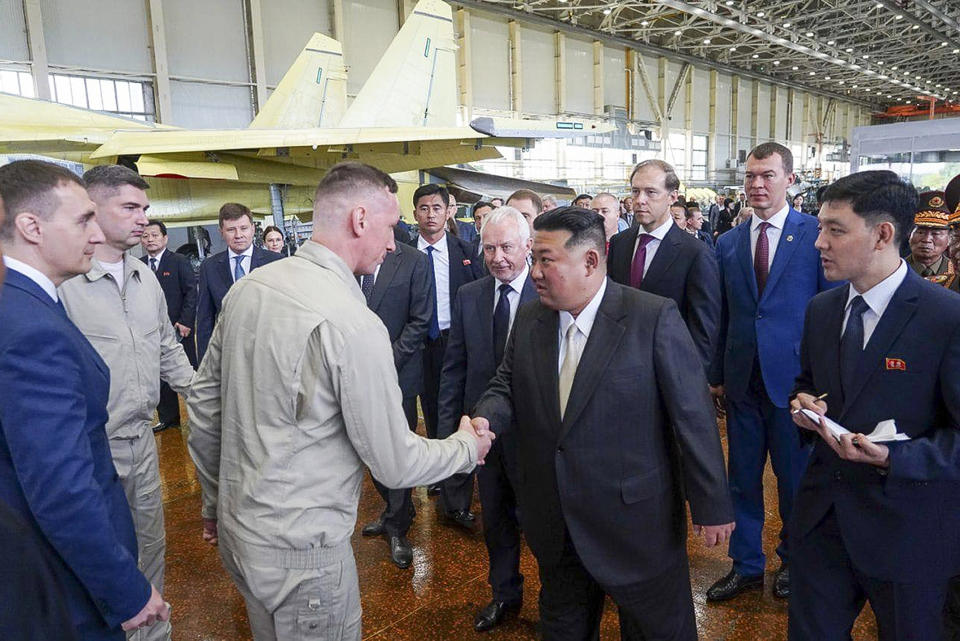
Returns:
(761, 258)
(639, 260)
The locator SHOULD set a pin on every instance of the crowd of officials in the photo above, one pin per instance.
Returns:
(572, 361)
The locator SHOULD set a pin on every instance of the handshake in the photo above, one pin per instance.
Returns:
(479, 428)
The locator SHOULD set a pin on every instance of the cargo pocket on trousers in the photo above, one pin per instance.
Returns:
(315, 623)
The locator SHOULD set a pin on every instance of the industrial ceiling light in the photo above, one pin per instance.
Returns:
(606, 12)
(760, 14)
(644, 23)
(916, 26)
(795, 67)
(849, 49)
(899, 16)
(677, 32)
(865, 56)
(809, 34)
(733, 48)
(813, 73)
(830, 42)
(786, 25)
(706, 41)
(956, 51)
(755, 56)
(776, 62)
(826, 77)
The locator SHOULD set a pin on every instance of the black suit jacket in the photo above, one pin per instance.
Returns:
(683, 269)
(216, 277)
(402, 297)
(609, 471)
(468, 363)
(465, 267)
(903, 523)
(179, 285)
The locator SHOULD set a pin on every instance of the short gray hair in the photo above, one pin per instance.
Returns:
(507, 213)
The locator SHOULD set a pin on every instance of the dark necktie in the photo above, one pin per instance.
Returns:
(501, 322)
(761, 258)
(851, 343)
(153, 263)
(366, 285)
(639, 260)
(238, 271)
(434, 321)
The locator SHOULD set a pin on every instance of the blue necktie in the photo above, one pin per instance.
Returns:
(153, 264)
(366, 285)
(501, 322)
(851, 343)
(238, 271)
(434, 321)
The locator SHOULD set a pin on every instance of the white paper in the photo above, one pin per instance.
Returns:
(885, 431)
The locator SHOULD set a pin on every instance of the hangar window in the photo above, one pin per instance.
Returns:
(130, 98)
(698, 169)
(19, 83)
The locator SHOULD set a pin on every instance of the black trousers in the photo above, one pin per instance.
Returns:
(827, 594)
(432, 365)
(501, 529)
(951, 613)
(168, 409)
(399, 512)
(571, 603)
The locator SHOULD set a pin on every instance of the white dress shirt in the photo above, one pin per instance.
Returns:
(33, 274)
(247, 261)
(584, 321)
(877, 299)
(777, 221)
(158, 258)
(513, 294)
(441, 273)
(658, 235)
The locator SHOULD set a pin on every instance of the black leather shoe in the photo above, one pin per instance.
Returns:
(433, 490)
(165, 425)
(401, 552)
(494, 614)
(732, 585)
(781, 582)
(374, 528)
(462, 519)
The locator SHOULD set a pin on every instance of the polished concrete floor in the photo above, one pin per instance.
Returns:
(437, 597)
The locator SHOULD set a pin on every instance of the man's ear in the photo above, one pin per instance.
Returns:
(359, 220)
(886, 233)
(592, 260)
(27, 225)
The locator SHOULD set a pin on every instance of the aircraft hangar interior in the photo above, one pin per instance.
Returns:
(210, 102)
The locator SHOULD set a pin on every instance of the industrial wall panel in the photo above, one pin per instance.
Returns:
(538, 73)
(206, 39)
(797, 118)
(614, 79)
(13, 33)
(763, 113)
(490, 62)
(207, 106)
(77, 34)
(723, 106)
(676, 116)
(746, 94)
(370, 26)
(781, 133)
(701, 99)
(579, 75)
(643, 110)
(287, 26)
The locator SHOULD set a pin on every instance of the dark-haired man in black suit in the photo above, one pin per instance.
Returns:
(657, 256)
(220, 271)
(400, 292)
(452, 264)
(604, 393)
(482, 315)
(179, 284)
(876, 522)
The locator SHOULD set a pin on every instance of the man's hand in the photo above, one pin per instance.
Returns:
(210, 531)
(715, 534)
(479, 428)
(857, 448)
(810, 402)
(717, 393)
(182, 329)
(155, 610)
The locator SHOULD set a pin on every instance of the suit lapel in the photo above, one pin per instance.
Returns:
(621, 270)
(455, 258)
(225, 272)
(485, 311)
(790, 238)
(547, 348)
(605, 335)
(666, 254)
(829, 342)
(898, 313)
(388, 269)
(529, 291)
(744, 257)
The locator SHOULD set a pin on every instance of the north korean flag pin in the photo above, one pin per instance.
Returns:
(466, 261)
(897, 364)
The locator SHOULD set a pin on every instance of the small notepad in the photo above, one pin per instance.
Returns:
(884, 432)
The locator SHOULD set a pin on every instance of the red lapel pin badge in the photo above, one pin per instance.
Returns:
(896, 364)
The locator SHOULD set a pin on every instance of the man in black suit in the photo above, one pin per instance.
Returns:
(877, 521)
(698, 226)
(179, 285)
(220, 271)
(451, 264)
(400, 292)
(657, 256)
(482, 314)
(599, 438)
